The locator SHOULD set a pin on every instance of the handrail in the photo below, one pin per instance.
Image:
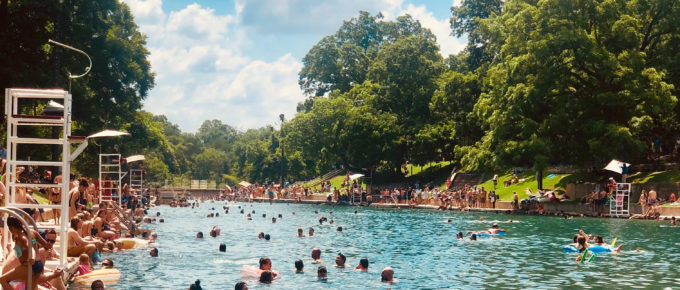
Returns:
(11, 211)
(126, 219)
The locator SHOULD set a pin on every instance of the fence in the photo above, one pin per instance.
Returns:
(193, 184)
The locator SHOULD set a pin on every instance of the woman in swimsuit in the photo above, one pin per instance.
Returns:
(21, 252)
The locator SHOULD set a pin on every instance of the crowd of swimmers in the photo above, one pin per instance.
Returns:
(264, 273)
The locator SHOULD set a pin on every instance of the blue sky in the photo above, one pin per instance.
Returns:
(237, 60)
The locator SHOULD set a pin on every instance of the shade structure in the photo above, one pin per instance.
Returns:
(615, 166)
(108, 133)
(244, 183)
(134, 158)
(355, 176)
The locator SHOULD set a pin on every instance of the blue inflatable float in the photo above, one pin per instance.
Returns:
(595, 249)
(499, 234)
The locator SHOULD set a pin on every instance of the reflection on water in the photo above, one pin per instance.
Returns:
(420, 245)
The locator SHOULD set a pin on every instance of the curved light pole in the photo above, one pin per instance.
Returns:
(72, 76)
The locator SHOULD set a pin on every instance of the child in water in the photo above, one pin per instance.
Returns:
(84, 265)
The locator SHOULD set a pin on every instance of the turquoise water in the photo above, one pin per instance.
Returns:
(420, 245)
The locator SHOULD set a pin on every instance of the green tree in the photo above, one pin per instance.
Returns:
(570, 85)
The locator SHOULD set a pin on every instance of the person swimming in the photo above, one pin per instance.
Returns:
(495, 229)
(260, 235)
(387, 275)
(473, 237)
(300, 233)
(311, 231)
(339, 229)
(459, 235)
(267, 237)
(363, 265)
(153, 252)
(299, 266)
(340, 260)
(223, 247)
(199, 235)
(266, 276)
(316, 256)
(322, 273)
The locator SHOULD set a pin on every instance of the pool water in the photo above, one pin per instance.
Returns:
(420, 245)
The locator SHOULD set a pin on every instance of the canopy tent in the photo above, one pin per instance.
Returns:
(355, 176)
(615, 166)
(108, 133)
(244, 183)
(134, 158)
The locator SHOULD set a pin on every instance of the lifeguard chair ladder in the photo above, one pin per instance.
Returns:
(15, 120)
(619, 201)
(110, 176)
(137, 181)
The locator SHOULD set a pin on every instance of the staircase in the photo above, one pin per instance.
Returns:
(326, 177)
(461, 179)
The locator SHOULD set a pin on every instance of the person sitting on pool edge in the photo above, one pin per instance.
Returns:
(322, 273)
(340, 260)
(299, 266)
(363, 265)
(387, 275)
(316, 256)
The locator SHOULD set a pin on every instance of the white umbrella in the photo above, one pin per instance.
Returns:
(615, 166)
(355, 176)
(134, 158)
(244, 183)
(108, 133)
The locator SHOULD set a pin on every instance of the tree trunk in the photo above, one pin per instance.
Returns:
(539, 178)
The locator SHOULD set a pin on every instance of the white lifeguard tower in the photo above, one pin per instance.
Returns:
(15, 100)
(110, 171)
(136, 175)
(619, 201)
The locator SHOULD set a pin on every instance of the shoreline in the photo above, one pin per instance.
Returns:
(437, 208)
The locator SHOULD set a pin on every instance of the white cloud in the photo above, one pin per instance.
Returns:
(148, 14)
(194, 22)
(253, 97)
(204, 61)
(441, 29)
(306, 16)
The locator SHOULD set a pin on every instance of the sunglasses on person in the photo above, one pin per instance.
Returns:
(50, 241)
(106, 264)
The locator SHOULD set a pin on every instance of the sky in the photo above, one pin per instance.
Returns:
(238, 60)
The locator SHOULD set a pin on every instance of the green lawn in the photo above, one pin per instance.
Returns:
(550, 181)
(415, 170)
(41, 198)
(655, 177)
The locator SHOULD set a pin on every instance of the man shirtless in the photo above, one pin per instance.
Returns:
(77, 198)
(76, 244)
